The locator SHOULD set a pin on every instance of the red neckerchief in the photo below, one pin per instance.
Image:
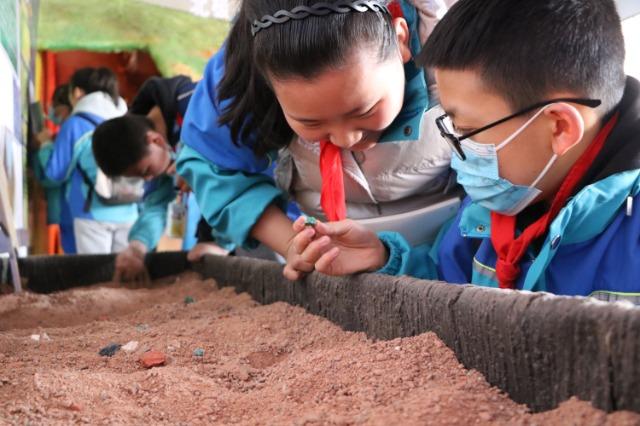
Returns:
(509, 249)
(395, 9)
(332, 198)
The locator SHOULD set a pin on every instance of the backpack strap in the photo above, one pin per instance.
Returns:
(88, 117)
(89, 183)
(83, 173)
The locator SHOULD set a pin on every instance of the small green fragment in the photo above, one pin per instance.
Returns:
(310, 221)
(199, 352)
(189, 300)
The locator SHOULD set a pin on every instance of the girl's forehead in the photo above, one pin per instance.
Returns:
(339, 90)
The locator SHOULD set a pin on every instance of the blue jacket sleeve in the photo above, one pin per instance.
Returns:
(152, 220)
(202, 132)
(60, 163)
(407, 260)
(231, 201)
(40, 163)
(231, 184)
(420, 261)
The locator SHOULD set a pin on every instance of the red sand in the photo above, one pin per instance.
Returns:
(271, 364)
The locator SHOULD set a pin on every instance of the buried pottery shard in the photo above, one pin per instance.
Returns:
(153, 359)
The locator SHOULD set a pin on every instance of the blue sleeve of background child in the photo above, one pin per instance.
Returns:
(152, 220)
(407, 260)
(230, 201)
(40, 163)
(201, 131)
(61, 161)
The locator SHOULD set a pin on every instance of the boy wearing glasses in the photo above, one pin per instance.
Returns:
(545, 127)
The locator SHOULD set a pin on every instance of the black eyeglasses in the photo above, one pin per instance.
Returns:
(454, 141)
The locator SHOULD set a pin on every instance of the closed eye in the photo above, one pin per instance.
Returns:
(368, 113)
(462, 130)
(311, 124)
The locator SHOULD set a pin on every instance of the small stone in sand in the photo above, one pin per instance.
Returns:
(153, 359)
(110, 350)
(130, 347)
(35, 337)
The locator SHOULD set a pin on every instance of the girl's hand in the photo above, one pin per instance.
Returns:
(300, 263)
(337, 248)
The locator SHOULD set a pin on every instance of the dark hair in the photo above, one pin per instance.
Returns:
(163, 93)
(96, 80)
(120, 143)
(297, 48)
(61, 96)
(526, 49)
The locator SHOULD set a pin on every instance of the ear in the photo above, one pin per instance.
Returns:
(77, 93)
(153, 137)
(567, 126)
(156, 117)
(403, 35)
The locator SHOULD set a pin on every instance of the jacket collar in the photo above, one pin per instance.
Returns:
(406, 126)
(100, 104)
(621, 151)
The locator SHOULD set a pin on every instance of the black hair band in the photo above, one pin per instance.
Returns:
(317, 9)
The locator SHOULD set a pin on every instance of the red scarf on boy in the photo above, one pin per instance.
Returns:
(510, 249)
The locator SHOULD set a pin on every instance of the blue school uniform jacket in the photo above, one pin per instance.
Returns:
(72, 151)
(591, 248)
(233, 187)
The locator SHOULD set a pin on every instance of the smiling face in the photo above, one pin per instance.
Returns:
(349, 105)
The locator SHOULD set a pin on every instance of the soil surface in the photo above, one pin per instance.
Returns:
(229, 360)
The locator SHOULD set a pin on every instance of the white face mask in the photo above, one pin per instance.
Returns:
(479, 176)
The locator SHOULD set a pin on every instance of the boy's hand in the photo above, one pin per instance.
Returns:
(182, 185)
(337, 248)
(130, 262)
(43, 136)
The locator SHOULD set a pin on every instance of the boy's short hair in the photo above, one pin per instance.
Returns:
(120, 143)
(526, 49)
(92, 80)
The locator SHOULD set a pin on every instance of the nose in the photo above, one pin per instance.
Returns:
(346, 139)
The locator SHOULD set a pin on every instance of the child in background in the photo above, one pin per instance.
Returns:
(348, 102)
(545, 126)
(131, 146)
(59, 111)
(164, 101)
(87, 224)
